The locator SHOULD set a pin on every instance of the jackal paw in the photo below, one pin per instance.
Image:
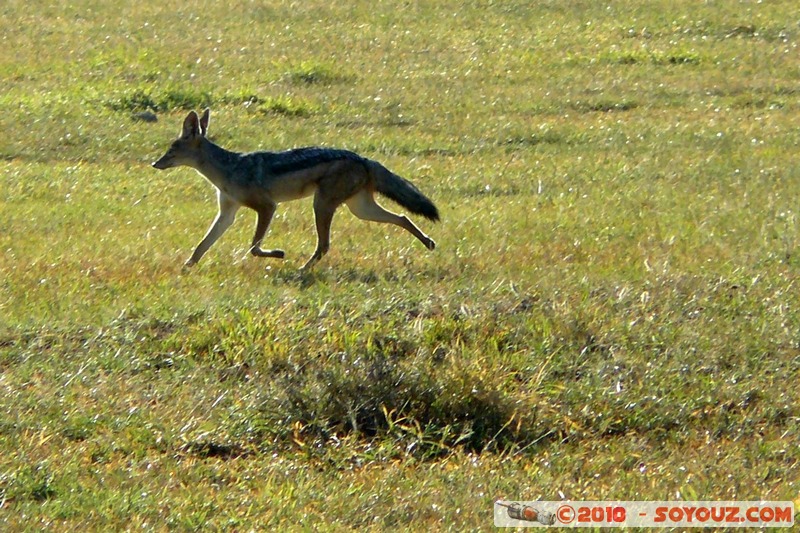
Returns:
(430, 244)
(258, 252)
(187, 266)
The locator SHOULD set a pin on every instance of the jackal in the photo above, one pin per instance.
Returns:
(261, 180)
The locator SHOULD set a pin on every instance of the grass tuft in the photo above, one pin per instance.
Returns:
(311, 73)
(164, 101)
(288, 106)
(652, 57)
(427, 414)
(34, 483)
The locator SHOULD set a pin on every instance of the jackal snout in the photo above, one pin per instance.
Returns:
(181, 152)
(163, 162)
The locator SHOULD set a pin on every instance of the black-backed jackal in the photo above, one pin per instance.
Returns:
(261, 180)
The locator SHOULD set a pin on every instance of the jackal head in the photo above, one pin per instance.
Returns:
(186, 149)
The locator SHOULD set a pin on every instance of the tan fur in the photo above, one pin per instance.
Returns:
(261, 180)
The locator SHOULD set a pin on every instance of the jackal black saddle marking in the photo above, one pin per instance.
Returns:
(304, 158)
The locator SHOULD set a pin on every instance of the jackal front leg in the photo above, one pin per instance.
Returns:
(225, 217)
(265, 215)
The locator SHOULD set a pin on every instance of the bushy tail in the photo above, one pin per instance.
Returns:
(402, 191)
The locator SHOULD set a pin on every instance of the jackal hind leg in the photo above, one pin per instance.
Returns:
(342, 179)
(265, 215)
(364, 206)
(323, 216)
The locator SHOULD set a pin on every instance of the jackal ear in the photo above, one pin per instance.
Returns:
(191, 125)
(204, 122)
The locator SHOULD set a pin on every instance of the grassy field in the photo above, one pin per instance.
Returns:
(611, 311)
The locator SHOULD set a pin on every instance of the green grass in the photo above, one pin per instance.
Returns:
(610, 313)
